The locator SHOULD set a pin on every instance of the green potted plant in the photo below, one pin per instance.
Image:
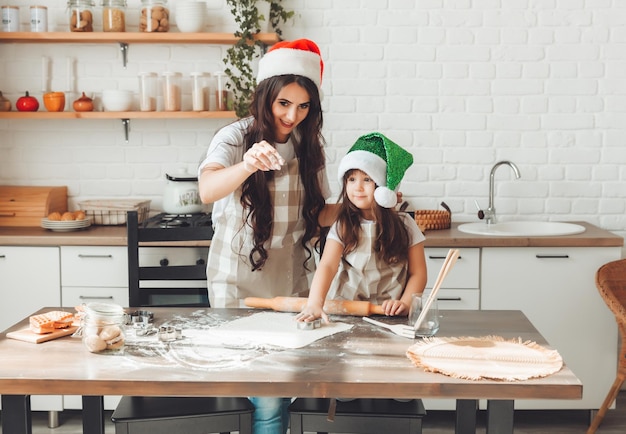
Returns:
(239, 57)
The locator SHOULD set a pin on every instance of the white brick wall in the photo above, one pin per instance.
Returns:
(461, 83)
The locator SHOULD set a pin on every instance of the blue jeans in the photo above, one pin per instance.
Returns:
(271, 415)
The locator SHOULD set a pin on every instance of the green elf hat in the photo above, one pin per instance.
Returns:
(383, 160)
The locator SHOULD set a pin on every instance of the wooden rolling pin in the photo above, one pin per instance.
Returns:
(332, 307)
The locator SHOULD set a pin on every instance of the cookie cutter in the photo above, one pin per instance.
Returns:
(170, 333)
(309, 325)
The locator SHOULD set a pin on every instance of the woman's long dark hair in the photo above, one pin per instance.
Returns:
(392, 237)
(308, 143)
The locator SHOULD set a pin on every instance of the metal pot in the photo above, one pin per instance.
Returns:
(181, 195)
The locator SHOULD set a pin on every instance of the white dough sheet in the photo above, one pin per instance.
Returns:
(278, 329)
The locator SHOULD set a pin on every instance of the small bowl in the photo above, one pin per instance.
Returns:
(115, 100)
(54, 101)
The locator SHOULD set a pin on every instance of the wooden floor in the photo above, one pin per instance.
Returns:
(436, 422)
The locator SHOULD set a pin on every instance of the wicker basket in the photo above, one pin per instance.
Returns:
(110, 212)
(430, 219)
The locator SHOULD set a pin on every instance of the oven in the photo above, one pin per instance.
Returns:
(170, 252)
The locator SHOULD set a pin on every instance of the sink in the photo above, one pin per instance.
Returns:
(522, 229)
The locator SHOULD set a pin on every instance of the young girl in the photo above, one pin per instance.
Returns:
(372, 252)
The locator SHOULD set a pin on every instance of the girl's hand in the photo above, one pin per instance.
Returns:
(395, 308)
(311, 313)
(262, 156)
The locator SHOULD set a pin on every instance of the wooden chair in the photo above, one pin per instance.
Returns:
(611, 282)
(363, 416)
(173, 415)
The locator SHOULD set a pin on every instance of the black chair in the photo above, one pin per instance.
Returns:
(172, 415)
(362, 416)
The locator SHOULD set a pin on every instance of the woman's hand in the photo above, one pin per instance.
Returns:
(311, 313)
(262, 156)
(395, 308)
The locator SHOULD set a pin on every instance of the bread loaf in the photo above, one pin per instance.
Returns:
(49, 321)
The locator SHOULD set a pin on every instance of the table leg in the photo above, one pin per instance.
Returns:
(500, 416)
(466, 416)
(16, 414)
(93, 414)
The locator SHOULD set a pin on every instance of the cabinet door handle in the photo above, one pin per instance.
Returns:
(440, 257)
(552, 256)
(3, 256)
(94, 256)
(449, 298)
(95, 297)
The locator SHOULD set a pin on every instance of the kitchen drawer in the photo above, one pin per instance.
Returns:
(464, 274)
(77, 295)
(101, 266)
(458, 299)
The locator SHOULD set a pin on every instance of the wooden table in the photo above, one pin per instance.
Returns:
(364, 362)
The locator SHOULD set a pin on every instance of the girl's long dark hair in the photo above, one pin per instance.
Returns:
(308, 143)
(392, 237)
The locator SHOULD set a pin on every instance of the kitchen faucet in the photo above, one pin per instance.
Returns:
(489, 214)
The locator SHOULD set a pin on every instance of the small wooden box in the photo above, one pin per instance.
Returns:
(26, 206)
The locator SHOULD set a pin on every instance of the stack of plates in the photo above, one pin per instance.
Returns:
(65, 226)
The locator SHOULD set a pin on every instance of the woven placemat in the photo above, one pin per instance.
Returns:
(487, 357)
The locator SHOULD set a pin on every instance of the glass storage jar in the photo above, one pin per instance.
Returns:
(155, 16)
(103, 327)
(113, 15)
(172, 91)
(81, 15)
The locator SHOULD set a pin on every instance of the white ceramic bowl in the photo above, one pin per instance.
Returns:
(115, 100)
(190, 16)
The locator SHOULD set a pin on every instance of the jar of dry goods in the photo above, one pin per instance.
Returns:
(10, 18)
(172, 91)
(155, 16)
(103, 327)
(38, 19)
(81, 15)
(113, 15)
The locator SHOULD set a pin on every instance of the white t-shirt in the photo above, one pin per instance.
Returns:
(227, 148)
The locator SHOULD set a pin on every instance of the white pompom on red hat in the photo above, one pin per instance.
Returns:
(299, 57)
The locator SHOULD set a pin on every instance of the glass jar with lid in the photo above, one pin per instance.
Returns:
(155, 16)
(103, 327)
(114, 15)
(81, 15)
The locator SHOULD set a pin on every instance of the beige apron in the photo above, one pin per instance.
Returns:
(229, 274)
(361, 276)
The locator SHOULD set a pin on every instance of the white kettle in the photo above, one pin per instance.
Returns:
(182, 195)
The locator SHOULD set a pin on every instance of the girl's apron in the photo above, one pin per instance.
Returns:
(362, 276)
(229, 274)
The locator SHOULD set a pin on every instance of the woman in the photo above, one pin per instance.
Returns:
(265, 175)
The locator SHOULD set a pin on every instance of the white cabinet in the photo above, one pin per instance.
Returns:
(555, 288)
(29, 280)
(93, 274)
(461, 288)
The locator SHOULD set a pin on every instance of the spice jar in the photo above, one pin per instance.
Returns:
(155, 16)
(171, 91)
(5, 104)
(81, 15)
(10, 18)
(199, 91)
(103, 327)
(148, 91)
(38, 19)
(113, 15)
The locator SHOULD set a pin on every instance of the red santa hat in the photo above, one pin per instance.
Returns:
(299, 57)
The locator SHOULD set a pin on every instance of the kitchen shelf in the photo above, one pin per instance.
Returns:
(118, 115)
(129, 38)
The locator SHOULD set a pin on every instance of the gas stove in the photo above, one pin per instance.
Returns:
(167, 221)
(181, 226)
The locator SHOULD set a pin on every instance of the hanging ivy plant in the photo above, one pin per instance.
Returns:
(240, 56)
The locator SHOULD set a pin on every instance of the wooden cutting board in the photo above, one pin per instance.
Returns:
(28, 336)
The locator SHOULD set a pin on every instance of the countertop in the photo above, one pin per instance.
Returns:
(116, 236)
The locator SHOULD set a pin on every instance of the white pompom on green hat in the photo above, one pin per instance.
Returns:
(383, 160)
